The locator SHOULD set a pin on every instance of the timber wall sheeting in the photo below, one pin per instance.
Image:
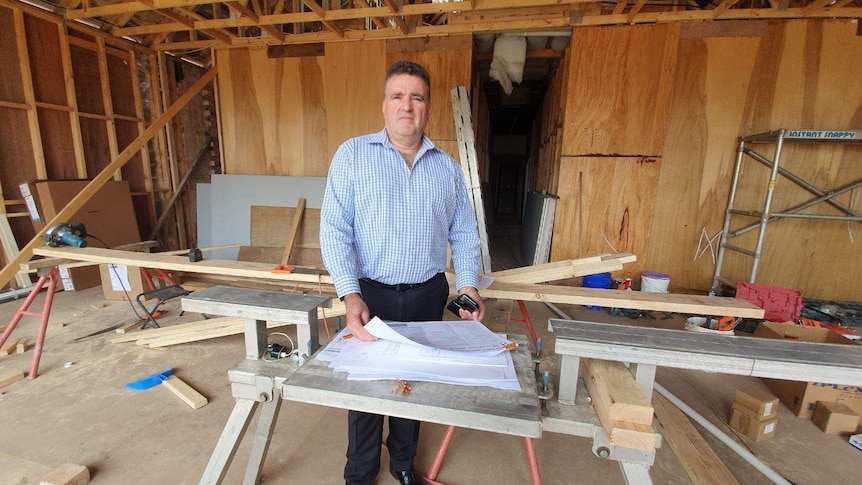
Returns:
(287, 116)
(707, 85)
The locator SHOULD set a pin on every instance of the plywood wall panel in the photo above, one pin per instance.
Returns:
(55, 127)
(122, 88)
(133, 171)
(708, 106)
(613, 214)
(97, 151)
(46, 64)
(273, 113)
(619, 86)
(11, 88)
(88, 84)
(353, 84)
(795, 75)
(16, 156)
(447, 68)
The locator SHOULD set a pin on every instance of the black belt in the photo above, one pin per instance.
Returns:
(400, 286)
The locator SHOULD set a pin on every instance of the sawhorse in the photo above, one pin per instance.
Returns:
(255, 381)
(46, 275)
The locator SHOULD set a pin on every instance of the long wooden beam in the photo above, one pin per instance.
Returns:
(244, 269)
(99, 180)
(662, 302)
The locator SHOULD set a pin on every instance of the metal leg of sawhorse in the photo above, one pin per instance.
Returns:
(533, 461)
(253, 382)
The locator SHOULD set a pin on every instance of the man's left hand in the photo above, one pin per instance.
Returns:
(474, 294)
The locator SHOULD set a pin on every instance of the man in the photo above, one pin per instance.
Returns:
(393, 200)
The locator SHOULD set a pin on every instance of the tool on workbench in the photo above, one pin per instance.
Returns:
(195, 255)
(65, 234)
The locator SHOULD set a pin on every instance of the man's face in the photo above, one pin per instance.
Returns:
(405, 106)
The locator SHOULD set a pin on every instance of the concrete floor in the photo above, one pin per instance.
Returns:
(82, 413)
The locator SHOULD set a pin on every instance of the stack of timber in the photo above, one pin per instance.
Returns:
(208, 329)
(623, 409)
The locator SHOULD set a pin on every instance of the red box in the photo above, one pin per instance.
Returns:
(780, 304)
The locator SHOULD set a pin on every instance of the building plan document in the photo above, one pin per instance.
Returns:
(450, 352)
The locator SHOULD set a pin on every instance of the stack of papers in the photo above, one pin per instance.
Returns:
(457, 352)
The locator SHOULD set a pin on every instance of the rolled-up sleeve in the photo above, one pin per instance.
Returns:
(337, 237)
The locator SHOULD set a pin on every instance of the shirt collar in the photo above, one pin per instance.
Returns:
(381, 138)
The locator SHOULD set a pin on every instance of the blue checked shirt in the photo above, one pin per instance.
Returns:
(383, 221)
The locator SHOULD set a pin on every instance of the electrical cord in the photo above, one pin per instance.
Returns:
(293, 349)
(113, 268)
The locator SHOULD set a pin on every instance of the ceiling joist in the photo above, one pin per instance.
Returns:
(285, 22)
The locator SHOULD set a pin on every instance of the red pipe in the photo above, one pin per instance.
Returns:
(441, 454)
(534, 462)
(43, 327)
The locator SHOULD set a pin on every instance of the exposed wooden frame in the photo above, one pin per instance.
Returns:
(108, 103)
(29, 95)
(72, 100)
(99, 180)
(314, 7)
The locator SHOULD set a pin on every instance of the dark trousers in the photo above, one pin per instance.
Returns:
(365, 430)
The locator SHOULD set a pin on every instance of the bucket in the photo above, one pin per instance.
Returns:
(654, 282)
(598, 280)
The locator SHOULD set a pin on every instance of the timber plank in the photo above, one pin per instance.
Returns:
(699, 460)
(180, 263)
(668, 302)
(9, 377)
(185, 392)
(615, 392)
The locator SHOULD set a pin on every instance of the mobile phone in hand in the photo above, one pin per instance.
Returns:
(462, 302)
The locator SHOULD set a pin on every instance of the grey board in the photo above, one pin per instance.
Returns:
(224, 205)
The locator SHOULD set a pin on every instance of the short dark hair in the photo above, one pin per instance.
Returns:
(411, 68)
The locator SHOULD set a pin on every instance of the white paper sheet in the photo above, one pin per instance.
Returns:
(458, 336)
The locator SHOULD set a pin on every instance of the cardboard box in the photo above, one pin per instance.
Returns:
(800, 397)
(756, 403)
(76, 279)
(119, 277)
(754, 429)
(835, 418)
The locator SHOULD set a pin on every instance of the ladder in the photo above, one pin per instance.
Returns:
(767, 215)
(470, 164)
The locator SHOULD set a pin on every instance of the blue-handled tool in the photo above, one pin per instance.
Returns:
(150, 381)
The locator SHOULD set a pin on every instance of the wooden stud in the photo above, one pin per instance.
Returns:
(108, 103)
(145, 152)
(72, 100)
(29, 95)
(294, 230)
(10, 248)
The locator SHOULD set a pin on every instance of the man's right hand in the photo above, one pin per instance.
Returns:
(357, 316)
